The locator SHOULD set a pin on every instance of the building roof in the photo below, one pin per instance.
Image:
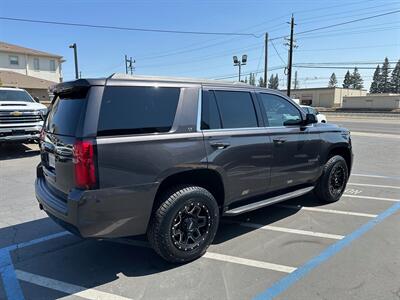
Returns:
(22, 50)
(13, 79)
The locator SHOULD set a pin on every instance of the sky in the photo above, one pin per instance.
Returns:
(101, 51)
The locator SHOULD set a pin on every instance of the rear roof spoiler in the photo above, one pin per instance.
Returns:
(75, 86)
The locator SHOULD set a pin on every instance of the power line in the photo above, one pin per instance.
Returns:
(130, 28)
(339, 24)
(277, 53)
(336, 67)
(349, 22)
(235, 75)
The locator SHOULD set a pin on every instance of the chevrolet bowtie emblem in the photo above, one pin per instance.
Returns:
(16, 113)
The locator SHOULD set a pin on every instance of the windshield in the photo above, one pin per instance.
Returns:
(10, 95)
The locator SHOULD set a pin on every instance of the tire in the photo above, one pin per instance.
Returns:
(184, 224)
(333, 180)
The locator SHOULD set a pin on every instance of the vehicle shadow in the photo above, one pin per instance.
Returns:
(15, 150)
(91, 263)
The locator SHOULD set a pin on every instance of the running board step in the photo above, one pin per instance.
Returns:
(266, 202)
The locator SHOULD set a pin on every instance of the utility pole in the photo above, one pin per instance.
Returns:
(290, 59)
(73, 46)
(295, 80)
(129, 64)
(265, 59)
(126, 65)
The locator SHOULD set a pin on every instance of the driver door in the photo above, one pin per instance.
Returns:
(295, 147)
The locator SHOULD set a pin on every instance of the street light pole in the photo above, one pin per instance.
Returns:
(73, 46)
(237, 62)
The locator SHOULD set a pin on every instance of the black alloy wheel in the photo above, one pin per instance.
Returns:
(190, 226)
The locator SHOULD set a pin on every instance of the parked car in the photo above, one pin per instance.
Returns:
(124, 156)
(21, 117)
(321, 118)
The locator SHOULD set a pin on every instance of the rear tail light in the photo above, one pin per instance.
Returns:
(84, 165)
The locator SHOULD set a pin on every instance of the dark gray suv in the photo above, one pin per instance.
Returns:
(124, 156)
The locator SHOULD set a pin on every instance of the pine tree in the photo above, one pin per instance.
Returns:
(347, 80)
(332, 81)
(395, 80)
(271, 81)
(356, 80)
(385, 80)
(261, 82)
(374, 89)
(276, 82)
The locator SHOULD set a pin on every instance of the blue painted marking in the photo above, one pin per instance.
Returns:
(283, 284)
(36, 241)
(11, 285)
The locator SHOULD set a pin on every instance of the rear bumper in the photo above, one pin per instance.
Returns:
(8, 134)
(104, 213)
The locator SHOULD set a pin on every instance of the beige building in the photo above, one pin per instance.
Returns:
(373, 101)
(324, 97)
(30, 62)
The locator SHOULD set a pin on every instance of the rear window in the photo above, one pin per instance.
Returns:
(131, 110)
(65, 116)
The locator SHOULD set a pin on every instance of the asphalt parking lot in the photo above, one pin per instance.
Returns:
(299, 249)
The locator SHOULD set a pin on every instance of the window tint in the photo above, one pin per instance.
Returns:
(236, 109)
(209, 112)
(279, 110)
(65, 115)
(128, 110)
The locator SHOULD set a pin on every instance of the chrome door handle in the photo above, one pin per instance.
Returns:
(220, 145)
(279, 140)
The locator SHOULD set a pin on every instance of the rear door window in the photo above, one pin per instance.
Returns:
(236, 109)
(66, 115)
(133, 110)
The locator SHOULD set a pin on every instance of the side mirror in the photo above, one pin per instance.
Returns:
(310, 119)
(36, 99)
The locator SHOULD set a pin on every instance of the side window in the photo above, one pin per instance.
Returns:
(209, 112)
(236, 109)
(278, 110)
(132, 110)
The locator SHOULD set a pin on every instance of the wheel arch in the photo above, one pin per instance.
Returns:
(345, 152)
(206, 178)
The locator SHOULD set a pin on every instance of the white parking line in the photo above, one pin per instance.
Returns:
(65, 287)
(331, 211)
(376, 176)
(249, 262)
(372, 198)
(289, 230)
(222, 257)
(375, 185)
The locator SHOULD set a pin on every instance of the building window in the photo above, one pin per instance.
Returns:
(36, 64)
(14, 60)
(52, 65)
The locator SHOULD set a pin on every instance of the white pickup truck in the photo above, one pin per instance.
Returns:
(21, 117)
